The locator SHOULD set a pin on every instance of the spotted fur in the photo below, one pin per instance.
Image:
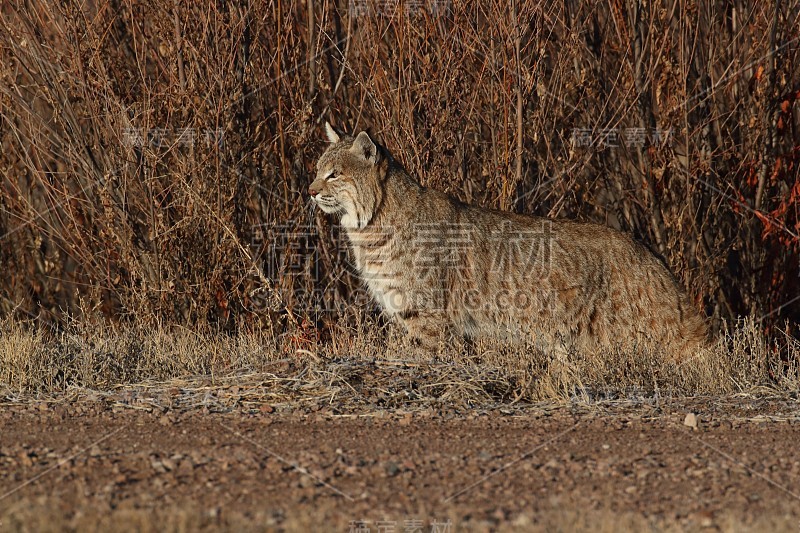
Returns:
(441, 267)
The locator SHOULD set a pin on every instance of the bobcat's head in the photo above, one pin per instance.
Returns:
(349, 177)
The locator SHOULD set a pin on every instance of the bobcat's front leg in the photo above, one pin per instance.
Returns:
(427, 327)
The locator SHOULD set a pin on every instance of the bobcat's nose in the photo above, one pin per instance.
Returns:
(312, 191)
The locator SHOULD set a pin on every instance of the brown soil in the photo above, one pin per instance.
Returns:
(89, 465)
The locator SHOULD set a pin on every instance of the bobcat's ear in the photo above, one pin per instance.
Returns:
(365, 148)
(333, 137)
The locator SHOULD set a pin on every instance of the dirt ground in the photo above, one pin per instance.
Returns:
(91, 466)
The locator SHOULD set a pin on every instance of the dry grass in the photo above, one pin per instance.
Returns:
(364, 369)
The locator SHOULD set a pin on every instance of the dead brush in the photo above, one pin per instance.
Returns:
(142, 161)
(148, 148)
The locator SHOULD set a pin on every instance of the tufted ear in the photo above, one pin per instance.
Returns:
(333, 137)
(364, 147)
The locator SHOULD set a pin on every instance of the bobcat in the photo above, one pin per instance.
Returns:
(441, 267)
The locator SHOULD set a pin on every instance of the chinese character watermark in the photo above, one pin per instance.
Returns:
(410, 525)
(165, 138)
(442, 264)
(527, 248)
(610, 137)
(390, 8)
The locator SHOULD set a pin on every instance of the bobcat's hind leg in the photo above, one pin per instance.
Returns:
(429, 328)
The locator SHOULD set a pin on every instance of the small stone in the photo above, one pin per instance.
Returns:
(552, 463)
(392, 469)
(690, 420)
(522, 521)
(157, 465)
(25, 458)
